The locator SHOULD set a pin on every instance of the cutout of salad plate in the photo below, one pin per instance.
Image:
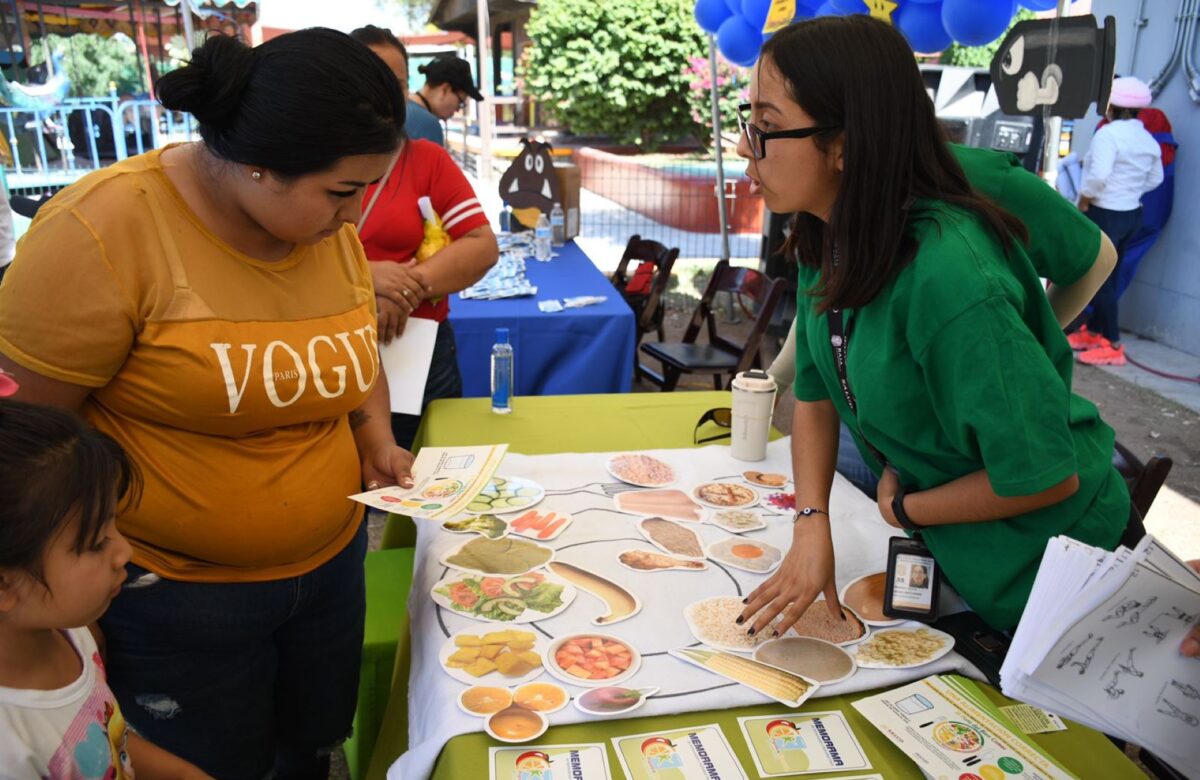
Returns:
(591, 659)
(621, 604)
(736, 521)
(541, 526)
(522, 598)
(505, 495)
(492, 658)
(612, 700)
(506, 556)
(724, 495)
(641, 470)
(487, 526)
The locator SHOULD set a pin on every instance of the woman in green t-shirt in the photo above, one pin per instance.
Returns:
(956, 372)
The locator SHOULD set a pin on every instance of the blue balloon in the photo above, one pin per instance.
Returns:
(734, 6)
(755, 12)
(976, 22)
(849, 6)
(739, 42)
(826, 9)
(710, 14)
(923, 2)
(1040, 5)
(921, 24)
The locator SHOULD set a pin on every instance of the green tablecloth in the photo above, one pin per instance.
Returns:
(601, 423)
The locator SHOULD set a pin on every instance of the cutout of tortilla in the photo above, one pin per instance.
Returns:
(671, 537)
(498, 556)
(1027, 80)
(673, 504)
(815, 659)
(530, 183)
(644, 560)
(621, 604)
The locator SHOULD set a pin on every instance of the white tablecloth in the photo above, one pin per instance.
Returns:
(573, 482)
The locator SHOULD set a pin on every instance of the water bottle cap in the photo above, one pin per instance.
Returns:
(501, 335)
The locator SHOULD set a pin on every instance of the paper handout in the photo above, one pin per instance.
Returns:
(406, 363)
(445, 480)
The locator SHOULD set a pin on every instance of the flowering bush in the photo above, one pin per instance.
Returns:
(733, 87)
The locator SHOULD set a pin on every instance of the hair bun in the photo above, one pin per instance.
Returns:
(423, 69)
(210, 87)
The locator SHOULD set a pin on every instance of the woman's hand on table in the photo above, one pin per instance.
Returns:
(1191, 642)
(392, 318)
(386, 465)
(806, 572)
(402, 283)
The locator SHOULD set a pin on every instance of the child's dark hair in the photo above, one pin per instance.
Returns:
(53, 467)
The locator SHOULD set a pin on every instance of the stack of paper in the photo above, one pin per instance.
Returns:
(950, 728)
(1099, 643)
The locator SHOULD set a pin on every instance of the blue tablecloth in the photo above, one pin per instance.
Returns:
(571, 352)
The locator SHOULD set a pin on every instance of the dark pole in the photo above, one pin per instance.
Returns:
(133, 27)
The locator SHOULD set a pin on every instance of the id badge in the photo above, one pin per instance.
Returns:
(913, 581)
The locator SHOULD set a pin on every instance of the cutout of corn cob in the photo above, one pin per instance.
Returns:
(785, 687)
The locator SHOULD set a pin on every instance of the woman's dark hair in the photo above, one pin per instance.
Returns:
(295, 105)
(859, 74)
(55, 467)
(378, 36)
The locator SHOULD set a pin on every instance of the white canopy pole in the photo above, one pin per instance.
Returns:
(485, 109)
(719, 190)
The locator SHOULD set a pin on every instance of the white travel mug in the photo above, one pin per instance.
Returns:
(753, 405)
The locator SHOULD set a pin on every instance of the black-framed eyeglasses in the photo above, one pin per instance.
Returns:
(758, 139)
(722, 417)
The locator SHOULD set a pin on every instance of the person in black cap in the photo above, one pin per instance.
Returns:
(448, 84)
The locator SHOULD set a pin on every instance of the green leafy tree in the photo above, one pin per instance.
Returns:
(93, 62)
(981, 56)
(616, 67)
(733, 88)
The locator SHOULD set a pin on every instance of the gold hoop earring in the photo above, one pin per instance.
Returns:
(256, 175)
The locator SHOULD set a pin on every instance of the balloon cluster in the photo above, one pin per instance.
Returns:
(929, 25)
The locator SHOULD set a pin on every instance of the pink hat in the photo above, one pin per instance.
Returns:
(1129, 92)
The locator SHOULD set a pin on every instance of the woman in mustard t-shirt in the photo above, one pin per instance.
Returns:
(209, 306)
(921, 323)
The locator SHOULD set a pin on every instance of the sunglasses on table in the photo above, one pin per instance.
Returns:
(757, 139)
(722, 417)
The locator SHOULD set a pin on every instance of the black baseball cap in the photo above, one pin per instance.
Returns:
(453, 71)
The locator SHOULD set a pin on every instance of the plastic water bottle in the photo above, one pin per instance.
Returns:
(542, 238)
(506, 218)
(558, 225)
(502, 373)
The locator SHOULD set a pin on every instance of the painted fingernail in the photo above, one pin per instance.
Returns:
(372, 486)
(746, 600)
(751, 631)
(740, 620)
(775, 632)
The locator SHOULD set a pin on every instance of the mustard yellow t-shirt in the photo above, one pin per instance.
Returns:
(228, 380)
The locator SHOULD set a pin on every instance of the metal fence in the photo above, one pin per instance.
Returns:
(57, 145)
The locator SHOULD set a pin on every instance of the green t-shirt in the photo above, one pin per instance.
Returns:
(1063, 242)
(957, 365)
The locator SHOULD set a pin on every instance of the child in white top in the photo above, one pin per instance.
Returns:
(62, 560)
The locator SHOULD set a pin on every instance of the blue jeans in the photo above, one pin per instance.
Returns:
(850, 464)
(1119, 226)
(242, 679)
(444, 381)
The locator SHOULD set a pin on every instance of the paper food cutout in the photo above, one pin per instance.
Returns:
(529, 185)
(1063, 64)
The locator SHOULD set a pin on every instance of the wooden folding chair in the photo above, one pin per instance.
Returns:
(645, 300)
(757, 296)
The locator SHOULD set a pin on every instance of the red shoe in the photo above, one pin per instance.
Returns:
(1083, 339)
(1106, 355)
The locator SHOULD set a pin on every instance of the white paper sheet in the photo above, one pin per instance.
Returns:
(406, 363)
